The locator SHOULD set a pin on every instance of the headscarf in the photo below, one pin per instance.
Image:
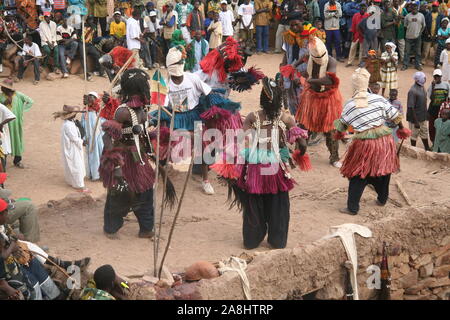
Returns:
(177, 39)
(420, 78)
(392, 45)
(175, 61)
(360, 83)
(317, 53)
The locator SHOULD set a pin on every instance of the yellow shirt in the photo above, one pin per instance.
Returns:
(433, 23)
(118, 29)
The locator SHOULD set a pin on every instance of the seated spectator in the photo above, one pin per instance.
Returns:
(47, 31)
(442, 139)
(30, 54)
(67, 44)
(118, 28)
(106, 285)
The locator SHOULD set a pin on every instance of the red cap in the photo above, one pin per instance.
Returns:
(435, 4)
(47, 14)
(3, 205)
(3, 176)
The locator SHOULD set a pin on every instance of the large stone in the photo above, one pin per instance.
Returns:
(166, 276)
(422, 260)
(426, 270)
(420, 286)
(331, 292)
(409, 279)
(430, 155)
(443, 271)
(441, 282)
(397, 294)
(445, 241)
(404, 269)
(413, 297)
(442, 251)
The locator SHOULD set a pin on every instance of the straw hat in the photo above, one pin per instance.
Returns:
(68, 112)
(8, 84)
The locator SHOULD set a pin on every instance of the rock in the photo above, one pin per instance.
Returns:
(404, 269)
(334, 291)
(445, 241)
(444, 295)
(430, 155)
(52, 76)
(422, 260)
(442, 250)
(201, 270)
(441, 157)
(397, 294)
(413, 297)
(414, 257)
(420, 286)
(415, 232)
(445, 259)
(404, 257)
(441, 282)
(166, 275)
(437, 290)
(426, 270)
(409, 279)
(142, 291)
(443, 271)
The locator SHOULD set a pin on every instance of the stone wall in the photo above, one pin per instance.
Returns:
(419, 262)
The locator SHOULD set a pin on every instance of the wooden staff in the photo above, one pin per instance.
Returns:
(188, 174)
(111, 86)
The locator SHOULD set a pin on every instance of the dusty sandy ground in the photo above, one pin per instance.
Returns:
(207, 229)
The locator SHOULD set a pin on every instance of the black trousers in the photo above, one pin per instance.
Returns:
(102, 22)
(92, 51)
(262, 214)
(119, 204)
(357, 185)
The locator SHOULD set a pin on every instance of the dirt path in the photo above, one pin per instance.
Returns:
(207, 229)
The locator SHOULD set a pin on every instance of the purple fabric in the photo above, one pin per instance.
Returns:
(252, 181)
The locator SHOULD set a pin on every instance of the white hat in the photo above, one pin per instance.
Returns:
(93, 93)
(371, 10)
(447, 41)
(437, 72)
(117, 12)
(152, 14)
(175, 62)
(223, 2)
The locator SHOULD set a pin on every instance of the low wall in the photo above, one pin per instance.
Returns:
(419, 262)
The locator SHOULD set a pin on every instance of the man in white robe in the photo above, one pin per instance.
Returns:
(6, 116)
(72, 149)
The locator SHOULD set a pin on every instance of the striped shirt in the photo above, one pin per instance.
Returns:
(378, 111)
(59, 4)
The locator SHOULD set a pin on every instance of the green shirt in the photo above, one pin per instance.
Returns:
(442, 140)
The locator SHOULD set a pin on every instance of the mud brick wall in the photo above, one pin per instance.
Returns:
(419, 262)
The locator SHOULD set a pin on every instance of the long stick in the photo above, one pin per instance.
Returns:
(158, 135)
(403, 192)
(83, 38)
(400, 148)
(111, 86)
(58, 267)
(169, 149)
(188, 174)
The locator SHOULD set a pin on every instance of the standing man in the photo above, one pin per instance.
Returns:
(349, 10)
(195, 20)
(387, 24)
(333, 13)
(183, 9)
(49, 44)
(67, 44)
(368, 29)
(263, 11)
(169, 23)
(283, 25)
(100, 12)
(246, 12)
(417, 110)
(415, 25)
(134, 37)
(438, 93)
(358, 37)
(371, 158)
(400, 13)
(321, 100)
(227, 19)
(92, 140)
(432, 22)
(18, 103)
(125, 169)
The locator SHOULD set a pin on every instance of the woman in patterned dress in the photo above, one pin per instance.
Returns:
(388, 71)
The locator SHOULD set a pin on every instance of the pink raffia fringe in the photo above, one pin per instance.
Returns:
(252, 181)
(303, 161)
(113, 129)
(371, 158)
(108, 161)
(295, 132)
(404, 133)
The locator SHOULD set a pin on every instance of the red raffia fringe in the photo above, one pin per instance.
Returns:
(113, 129)
(108, 161)
(140, 178)
(252, 181)
(318, 110)
(371, 158)
(303, 161)
(227, 170)
(288, 71)
(404, 133)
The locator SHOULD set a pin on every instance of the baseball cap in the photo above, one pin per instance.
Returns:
(152, 14)
(47, 14)
(3, 205)
(437, 72)
(435, 4)
(118, 12)
(93, 93)
(223, 2)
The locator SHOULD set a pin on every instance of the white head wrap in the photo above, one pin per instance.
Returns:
(392, 45)
(360, 83)
(175, 62)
